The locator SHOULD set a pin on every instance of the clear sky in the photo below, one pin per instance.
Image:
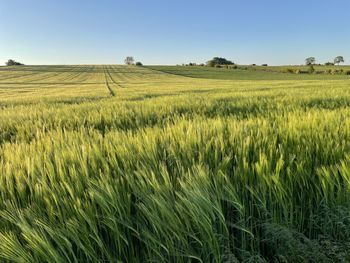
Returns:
(173, 32)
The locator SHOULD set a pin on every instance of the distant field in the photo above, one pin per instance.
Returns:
(252, 73)
(109, 163)
(303, 67)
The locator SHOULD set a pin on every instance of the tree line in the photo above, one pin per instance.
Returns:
(337, 60)
(215, 62)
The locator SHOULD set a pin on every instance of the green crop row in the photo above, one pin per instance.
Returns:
(171, 168)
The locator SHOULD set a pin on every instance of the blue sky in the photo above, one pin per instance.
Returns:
(173, 32)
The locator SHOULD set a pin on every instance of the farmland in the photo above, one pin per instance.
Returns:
(108, 163)
(248, 72)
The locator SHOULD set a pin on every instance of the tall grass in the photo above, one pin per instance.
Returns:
(172, 169)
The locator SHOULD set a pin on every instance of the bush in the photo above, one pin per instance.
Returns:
(334, 71)
(218, 66)
(264, 65)
(139, 64)
(347, 72)
(289, 70)
(231, 66)
(329, 64)
(311, 69)
(338, 71)
(211, 63)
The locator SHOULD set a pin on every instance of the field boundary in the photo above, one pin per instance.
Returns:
(111, 92)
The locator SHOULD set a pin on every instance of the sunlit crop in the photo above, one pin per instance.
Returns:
(130, 164)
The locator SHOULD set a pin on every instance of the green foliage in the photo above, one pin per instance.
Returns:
(131, 164)
(310, 61)
(311, 69)
(11, 62)
(338, 60)
(129, 60)
(259, 73)
(219, 61)
(138, 64)
(289, 70)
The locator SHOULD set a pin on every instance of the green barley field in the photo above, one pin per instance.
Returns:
(107, 163)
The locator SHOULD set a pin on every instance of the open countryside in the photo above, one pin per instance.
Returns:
(174, 131)
(108, 162)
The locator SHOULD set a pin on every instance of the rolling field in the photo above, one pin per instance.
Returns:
(107, 163)
(255, 72)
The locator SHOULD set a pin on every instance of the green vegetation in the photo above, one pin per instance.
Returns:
(310, 61)
(258, 72)
(217, 61)
(311, 69)
(338, 60)
(132, 164)
(12, 62)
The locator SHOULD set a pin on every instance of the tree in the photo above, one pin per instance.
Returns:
(11, 62)
(129, 60)
(338, 60)
(138, 63)
(219, 61)
(310, 61)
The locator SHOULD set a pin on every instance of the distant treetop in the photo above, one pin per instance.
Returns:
(12, 62)
(219, 61)
(129, 60)
(310, 61)
(338, 60)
